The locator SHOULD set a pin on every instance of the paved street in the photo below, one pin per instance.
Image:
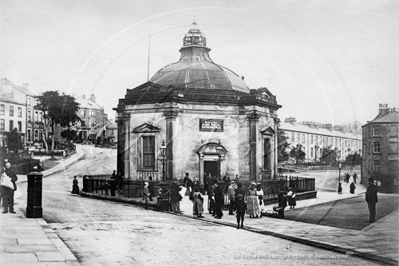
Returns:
(105, 233)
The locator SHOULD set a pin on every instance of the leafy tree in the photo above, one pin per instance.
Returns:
(328, 155)
(14, 140)
(69, 134)
(57, 110)
(297, 153)
(283, 145)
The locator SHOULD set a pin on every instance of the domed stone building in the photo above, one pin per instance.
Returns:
(195, 116)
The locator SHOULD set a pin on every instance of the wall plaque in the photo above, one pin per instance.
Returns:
(215, 125)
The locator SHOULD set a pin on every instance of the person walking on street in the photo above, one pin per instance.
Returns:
(371, 199)
(75, 187)
(352, 188)
(354, 177)
(240, 207)
(8, 186)
(232, 197)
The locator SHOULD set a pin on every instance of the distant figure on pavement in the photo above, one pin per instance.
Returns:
(113, 176)
(232, 197)
(146, 195)
(282, 203)
(291, 198)
(240, 207)
(252, 201)
(159, 199)
(371, 199)
(226, 180)
(352, 188)
(261, 203)
(175, 196)
(150, 187)
(75, 187)
(354, 177)
(219, 199)
(8, 186)
(198, 207)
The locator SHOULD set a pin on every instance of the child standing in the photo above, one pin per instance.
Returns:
(240, 207)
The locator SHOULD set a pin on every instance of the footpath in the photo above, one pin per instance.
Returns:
(31, 241)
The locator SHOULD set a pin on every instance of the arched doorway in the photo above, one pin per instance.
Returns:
(211, 165)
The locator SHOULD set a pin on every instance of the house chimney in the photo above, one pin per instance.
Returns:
(93, 98)
(383, 109)
(291, 120)
(327, 126)
(26, 86)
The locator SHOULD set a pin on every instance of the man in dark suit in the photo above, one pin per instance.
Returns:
(371, 199)
(219, 198)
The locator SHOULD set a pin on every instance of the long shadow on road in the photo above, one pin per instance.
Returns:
(349, 213)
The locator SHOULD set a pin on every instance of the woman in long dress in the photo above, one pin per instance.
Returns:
(252, 202)
(198, 206)
(260, 194)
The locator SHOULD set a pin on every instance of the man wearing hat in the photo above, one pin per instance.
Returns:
(8, 186)
(371, 199)
(218, 192)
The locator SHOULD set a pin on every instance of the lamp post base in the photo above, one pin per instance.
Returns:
(339, 188)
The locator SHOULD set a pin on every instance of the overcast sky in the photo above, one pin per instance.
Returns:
(326, 61)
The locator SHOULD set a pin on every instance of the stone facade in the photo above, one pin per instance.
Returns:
(380, 149)
(210, 122)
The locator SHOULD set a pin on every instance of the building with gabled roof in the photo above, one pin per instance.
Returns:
(380, 148)
(313, 137)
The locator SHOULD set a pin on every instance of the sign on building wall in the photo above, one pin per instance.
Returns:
(211, 125)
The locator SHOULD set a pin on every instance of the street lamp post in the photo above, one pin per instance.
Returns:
(339, 179)
(219, 151)
(163, 154)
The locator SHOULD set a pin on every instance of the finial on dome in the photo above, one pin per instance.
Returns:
(194, 36)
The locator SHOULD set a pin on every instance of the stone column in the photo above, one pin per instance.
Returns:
(253, 136)
(170, 124)
(275, 149)
(123, 157)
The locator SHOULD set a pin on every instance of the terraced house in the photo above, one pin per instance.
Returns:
(380, 149)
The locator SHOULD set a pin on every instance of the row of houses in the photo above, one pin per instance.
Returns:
(17, 111)
(314, 137)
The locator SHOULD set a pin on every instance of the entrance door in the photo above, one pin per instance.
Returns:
(210, 167)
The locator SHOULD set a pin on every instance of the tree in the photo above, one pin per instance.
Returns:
(69, 134)
(328, 155)
(57, 110)
(283, 145)
(14, 140)
(297, 153)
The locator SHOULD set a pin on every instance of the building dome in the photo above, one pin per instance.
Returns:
(195, 69)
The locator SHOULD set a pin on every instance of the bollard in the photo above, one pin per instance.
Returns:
(112, 185)
(34, 205)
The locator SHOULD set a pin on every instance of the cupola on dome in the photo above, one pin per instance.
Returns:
(195, 69)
